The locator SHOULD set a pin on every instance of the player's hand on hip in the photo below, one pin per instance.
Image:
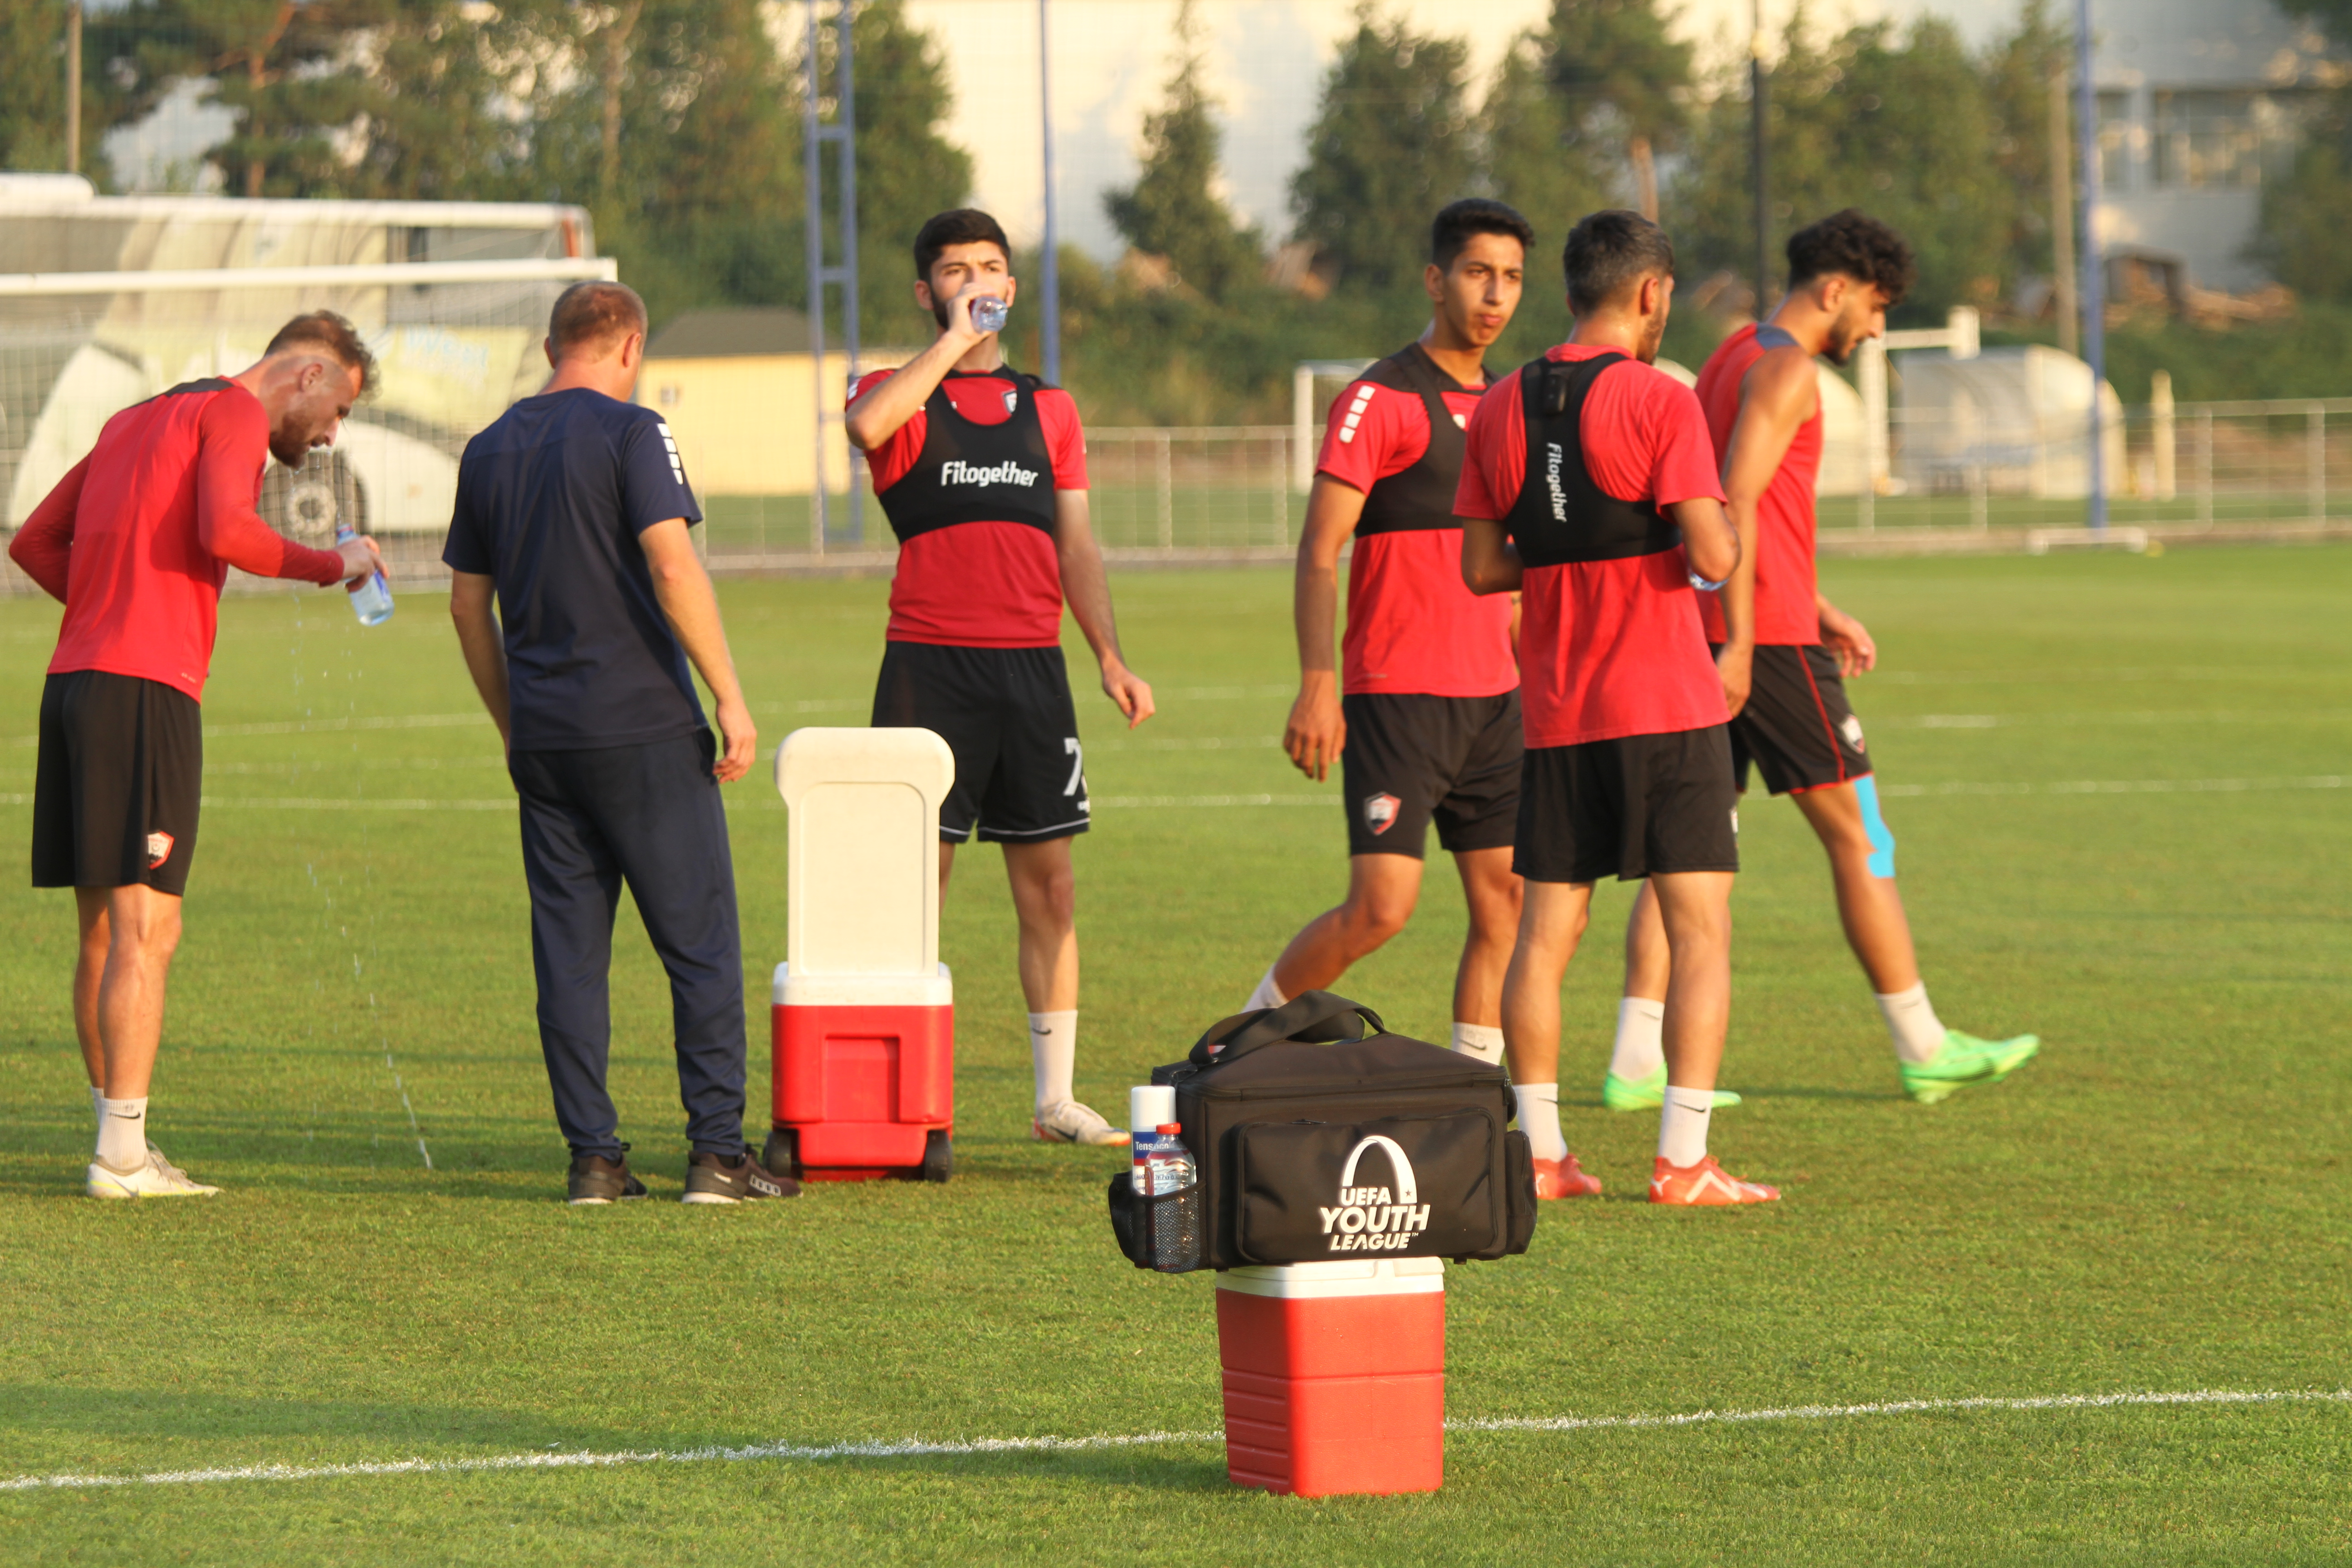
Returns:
(1736, 668)
(739, 741)
(1317, 728)
(1130, 690)
(361, 558)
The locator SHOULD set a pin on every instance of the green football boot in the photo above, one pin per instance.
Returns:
(1648, 1093)
(1964, 1060)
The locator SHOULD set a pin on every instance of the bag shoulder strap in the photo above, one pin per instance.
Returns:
(1311, 1017)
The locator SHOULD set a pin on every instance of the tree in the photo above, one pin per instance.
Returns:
(1173, 209)
(1624, 76)
(1897, 124)
(1389, 144)
(2018, 71)
(1530, 153)
(906, 170)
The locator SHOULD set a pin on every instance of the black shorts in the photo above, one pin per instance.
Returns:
(1411, 759)
(1634, 806)
(121, 779)
(1006, 714)
(1796, 728)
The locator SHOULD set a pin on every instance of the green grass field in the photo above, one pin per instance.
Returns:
(2157, 1204)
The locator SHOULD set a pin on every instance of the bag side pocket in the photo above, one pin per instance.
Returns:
(1127, 1219)
(1519, 1179)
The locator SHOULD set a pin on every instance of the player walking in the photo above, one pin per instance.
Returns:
(1428, 727)
(136, 541)
(1590, 486)
(1783, 651)
(983, 473)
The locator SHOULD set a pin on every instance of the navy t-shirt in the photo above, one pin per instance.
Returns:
(550, 500)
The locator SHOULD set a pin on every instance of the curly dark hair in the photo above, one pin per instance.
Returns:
(1856, 244)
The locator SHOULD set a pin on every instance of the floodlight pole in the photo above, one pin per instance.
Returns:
(2094, 324)
(1758, 165)
(843, 134)
(1049, 319)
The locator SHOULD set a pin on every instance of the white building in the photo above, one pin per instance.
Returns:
(2200, 102)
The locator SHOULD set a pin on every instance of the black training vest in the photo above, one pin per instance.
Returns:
(976, 473)
(1420, 496)
(1561, 516)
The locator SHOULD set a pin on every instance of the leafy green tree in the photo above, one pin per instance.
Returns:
(1899, 124)
(906, 168)
(1173, 209)
(1390, 143)
(2018, 70)
(1624, 78)
(1532, 155)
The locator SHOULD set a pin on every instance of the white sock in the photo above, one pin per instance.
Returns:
(1911, 1019)
(1054, 1052)
(1267, 995)
(1480, 1040)
(1640, 1047)
(1540, 1119)
(122, 1132)
(1682, 1125)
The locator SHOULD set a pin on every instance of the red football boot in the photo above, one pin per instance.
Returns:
(1704, 1185)
(1564, 1178)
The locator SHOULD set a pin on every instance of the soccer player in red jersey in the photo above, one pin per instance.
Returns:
(1428, 727)
(983, 473)
(1590, 486)
(1784, 651)
(136, 541)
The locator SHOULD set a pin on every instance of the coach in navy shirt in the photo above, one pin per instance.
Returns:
(572, 514)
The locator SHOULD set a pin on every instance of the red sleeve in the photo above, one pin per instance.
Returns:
(889, 462)
(232, 440)
(1374, 431)
(1646, 437)
(1065, 439)
(1495, 463)
(43, 547)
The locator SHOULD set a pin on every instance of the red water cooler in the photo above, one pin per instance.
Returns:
(1334, 1376)
(862, 1013)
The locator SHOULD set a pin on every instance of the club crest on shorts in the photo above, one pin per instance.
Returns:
(1380, 812)
(159, 849)
(1851, 727)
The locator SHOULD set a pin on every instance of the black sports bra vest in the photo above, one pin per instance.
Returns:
(970, 472)
(1561, 516)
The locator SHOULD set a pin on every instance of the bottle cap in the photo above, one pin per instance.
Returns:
(1149, 1104)
(1169, 1129)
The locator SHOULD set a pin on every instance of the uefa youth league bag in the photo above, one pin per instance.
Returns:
(1321, 1137)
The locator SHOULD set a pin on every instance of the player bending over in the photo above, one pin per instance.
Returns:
(1429, 728)
(1590, 486)
(136, 541)
(982, 472)
(1783, 651)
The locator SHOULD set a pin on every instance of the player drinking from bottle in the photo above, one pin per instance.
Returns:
(1590, 486)
(983, 473)
(1783, 651)
(1428, 728)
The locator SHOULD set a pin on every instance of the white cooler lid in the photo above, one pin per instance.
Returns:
(1363, 1277)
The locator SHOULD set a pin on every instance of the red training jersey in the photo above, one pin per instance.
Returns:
(1411, 625)
(138, 538)
(1786, 611)
(1607, 649)
(978, 585)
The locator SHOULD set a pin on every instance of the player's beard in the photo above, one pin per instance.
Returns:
(289, 448)
(1846, 335)
(1653, 337)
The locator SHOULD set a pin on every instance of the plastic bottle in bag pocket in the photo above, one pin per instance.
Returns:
(1167, 1185)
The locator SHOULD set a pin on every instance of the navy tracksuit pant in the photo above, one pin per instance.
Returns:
(648, 815)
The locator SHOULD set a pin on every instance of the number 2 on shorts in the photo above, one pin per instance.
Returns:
(1078, 765)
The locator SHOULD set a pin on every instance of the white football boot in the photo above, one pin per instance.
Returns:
(1070, 1122)
(158, 1178)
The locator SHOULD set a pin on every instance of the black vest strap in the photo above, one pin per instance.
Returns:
(1420, 496)
(1561, 516)
(970, 472)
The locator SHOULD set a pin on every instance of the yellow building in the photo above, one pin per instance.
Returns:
(738, 390)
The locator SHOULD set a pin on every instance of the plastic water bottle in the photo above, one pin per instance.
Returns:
(988, 314)
(372, 600)
(1169, 1184)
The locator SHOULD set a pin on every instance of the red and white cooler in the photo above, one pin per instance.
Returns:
(863, 1012)
(1334, 1376)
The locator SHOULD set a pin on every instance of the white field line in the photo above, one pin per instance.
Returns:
(909, 1448)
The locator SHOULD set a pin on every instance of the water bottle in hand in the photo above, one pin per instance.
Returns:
(372, 600)
(988, 314)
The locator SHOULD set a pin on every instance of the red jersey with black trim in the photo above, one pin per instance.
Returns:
(982, 583)
(1786, 608)
(1609, 642)
(1411, 625)
(138, 536)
